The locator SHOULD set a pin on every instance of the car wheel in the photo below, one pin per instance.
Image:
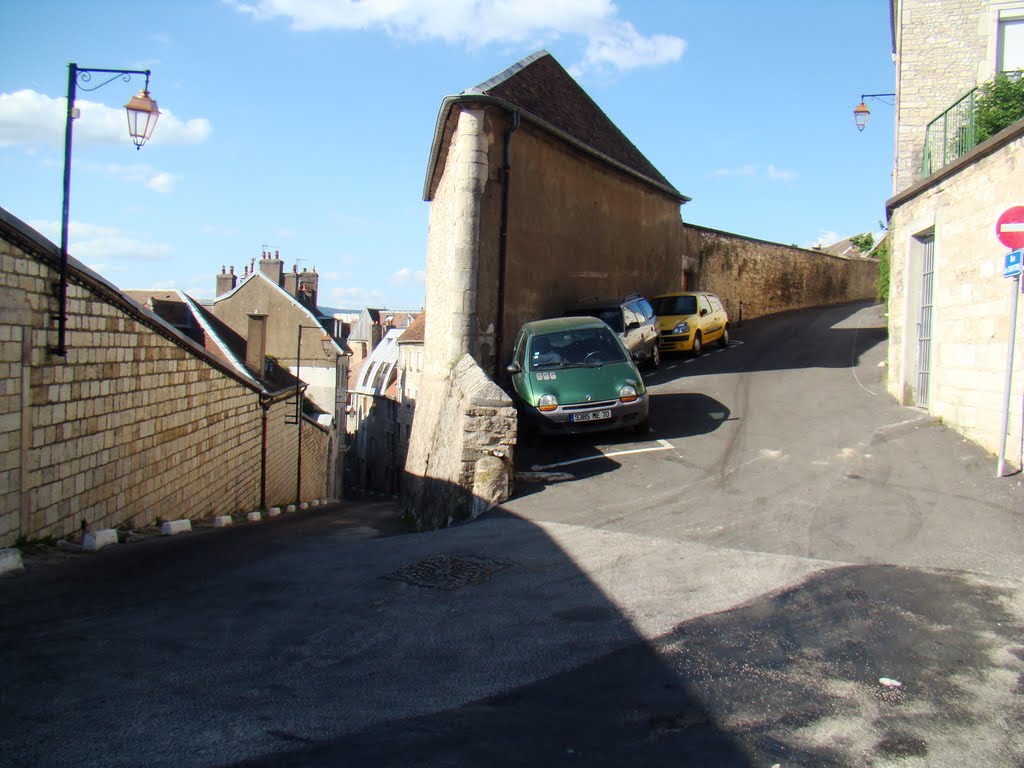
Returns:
(655, 358)
(724, 341)
(698, 345)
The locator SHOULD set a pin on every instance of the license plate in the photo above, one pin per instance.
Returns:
(592, 416)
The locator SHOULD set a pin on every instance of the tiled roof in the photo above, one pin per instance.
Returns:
(546, 96)
(539, 85)
(414, 334)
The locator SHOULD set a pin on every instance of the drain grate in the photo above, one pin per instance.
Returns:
(448, 572)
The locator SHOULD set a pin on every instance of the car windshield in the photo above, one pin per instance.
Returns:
(574, 348)
(675, 305)
(612, 316)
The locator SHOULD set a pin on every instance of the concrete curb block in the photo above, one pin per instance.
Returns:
(544, 477)
(254, 517)
(290, 508)
(97, 540)
(222, 520)
(273, 512)
(10, 560)
(304, 505)
(174, 527)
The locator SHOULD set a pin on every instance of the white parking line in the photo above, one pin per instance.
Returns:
(663, 446)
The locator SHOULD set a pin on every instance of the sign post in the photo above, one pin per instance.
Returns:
(1010, 231)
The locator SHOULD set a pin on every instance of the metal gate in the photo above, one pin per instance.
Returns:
(924, 324)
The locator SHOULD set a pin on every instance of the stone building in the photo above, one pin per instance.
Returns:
(949, 305)
(409, 372)
(296, 335)
(136, 421)
(371, 326)
(373, 418)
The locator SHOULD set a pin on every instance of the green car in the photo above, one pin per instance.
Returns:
(572, 374)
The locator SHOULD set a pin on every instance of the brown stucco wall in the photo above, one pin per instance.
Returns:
(577, 228)
(133, 424)
(770, 277)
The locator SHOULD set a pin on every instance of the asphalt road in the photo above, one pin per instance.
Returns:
(789, 570)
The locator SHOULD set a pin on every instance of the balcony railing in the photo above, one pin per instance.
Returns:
(957, 131)
(950, 135)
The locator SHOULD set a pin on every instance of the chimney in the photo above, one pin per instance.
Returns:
(308, 284)
(272, 266)
(226, 281)
(256, 343)
(291, 282)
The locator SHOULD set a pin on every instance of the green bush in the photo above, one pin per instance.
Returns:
(1000, 103)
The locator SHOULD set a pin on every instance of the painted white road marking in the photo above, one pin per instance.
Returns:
(663, 447)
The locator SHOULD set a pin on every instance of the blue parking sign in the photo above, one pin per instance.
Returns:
(1012, 265)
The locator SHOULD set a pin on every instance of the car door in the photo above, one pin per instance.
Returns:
(648, 323)
(633, 333)
(709, 329)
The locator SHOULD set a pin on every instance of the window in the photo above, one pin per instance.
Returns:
(704, 303)
(1010, 50)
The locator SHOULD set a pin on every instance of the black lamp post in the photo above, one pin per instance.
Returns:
(861, 113)
(142, 116)
(326, 342)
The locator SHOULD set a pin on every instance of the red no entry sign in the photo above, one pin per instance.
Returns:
(1010, 227)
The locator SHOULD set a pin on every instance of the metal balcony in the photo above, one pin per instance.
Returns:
(951, 135)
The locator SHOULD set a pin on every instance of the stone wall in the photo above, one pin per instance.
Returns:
(971, 299)
(943, 50)
(469, 460)
(136, 422)
(770, 277)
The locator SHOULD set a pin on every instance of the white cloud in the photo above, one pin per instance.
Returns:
(826, 238)
(89, 242)
(611, 43)
(771, 172)
(137, 173)
(355, 297)
(780, 175)
(405, 276)
(28, 117)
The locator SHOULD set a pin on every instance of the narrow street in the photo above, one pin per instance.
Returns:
(789, 570)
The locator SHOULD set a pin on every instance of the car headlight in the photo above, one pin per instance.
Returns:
(683, 327)
(547, 402)
(627, 394)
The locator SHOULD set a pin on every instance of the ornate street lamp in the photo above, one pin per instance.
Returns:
(142, 113)
(861, 113)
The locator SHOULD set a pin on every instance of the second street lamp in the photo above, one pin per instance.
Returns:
(142, 114)
(861, 113)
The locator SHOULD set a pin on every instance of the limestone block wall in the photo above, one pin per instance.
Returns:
(971, 299)
(770, 277)
(477, 422)
(943, 50)
(134, 423)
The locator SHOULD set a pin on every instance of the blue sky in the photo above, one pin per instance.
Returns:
(305, 125)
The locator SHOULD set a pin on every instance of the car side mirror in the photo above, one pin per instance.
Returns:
(703, 312)
(514, 368)
(632, 326)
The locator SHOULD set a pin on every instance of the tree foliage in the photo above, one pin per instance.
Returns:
(863, 243)
(1000, 103)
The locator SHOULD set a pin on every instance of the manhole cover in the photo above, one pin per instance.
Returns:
(447, 572)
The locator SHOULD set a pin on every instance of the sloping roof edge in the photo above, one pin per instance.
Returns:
(342, 350)
(471, 97)
(39, 247)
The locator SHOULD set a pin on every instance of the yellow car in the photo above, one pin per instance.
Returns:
(689, 320)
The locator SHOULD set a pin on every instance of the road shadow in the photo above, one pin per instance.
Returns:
(493, 644)
(834, 337)
(672, 415)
